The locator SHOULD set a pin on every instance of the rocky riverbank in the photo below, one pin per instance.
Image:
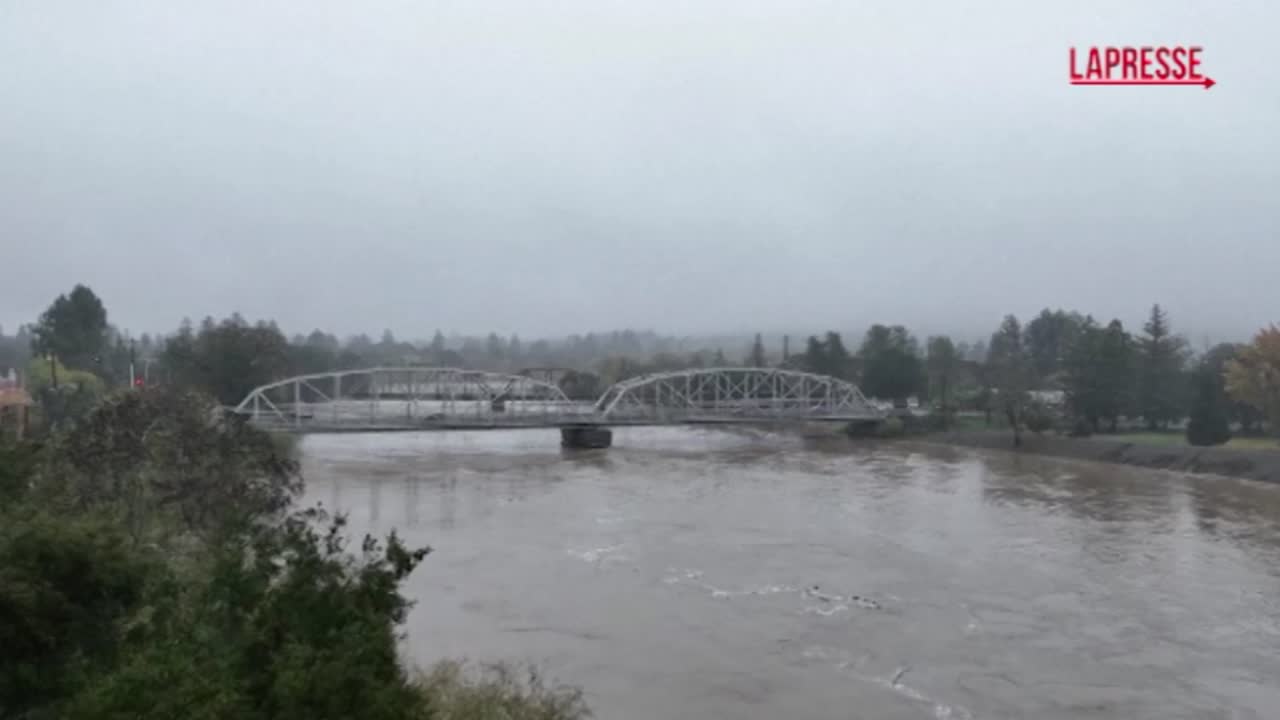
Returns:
(1261, 465)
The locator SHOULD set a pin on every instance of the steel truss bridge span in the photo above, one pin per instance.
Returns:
(733, 394)
(426, 398)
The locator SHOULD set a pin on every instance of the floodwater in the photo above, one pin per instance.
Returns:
(702, 573)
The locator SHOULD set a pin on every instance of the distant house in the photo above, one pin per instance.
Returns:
(15, 404)
(1050, 398)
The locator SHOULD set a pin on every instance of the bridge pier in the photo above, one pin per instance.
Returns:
(586, 437)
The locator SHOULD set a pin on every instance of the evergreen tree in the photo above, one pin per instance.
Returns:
(891, 367)
(943, 363)
(227, 359)
(1209, 423)
(74, 329)
(1050, 339)
(756, 358)
(837, 357)
(1098, 374)
(1010, 369)
(1162, 357)
(1116, 371)
(1082, 376)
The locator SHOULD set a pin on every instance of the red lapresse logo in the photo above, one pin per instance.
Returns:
(1163, 65)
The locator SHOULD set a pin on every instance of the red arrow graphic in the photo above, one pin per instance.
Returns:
(1206, 82)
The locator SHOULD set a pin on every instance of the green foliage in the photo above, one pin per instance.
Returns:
(1253, 376)
(1081, 428)
(457, 692)
(827, 356)
(73, 329)
(66, 584)
(891, 427)
(1209, 424)
(891, 367)
(1010, 369)
(1099, 373)
(41, 373)
(18, 465)
(227, 359)
(757, 358)
(73, 395)
(1218, 360)
(150, 567)
(581, 385)
(1161, 382)
(282, 624)
(943, 364)
(170, 454)
(1038, 418)
(1050, 338)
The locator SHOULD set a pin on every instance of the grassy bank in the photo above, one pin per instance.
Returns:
(1178, 439)
(1240, 461)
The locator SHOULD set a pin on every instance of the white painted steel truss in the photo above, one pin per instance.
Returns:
(404, 397)
(444, 398)
(727, 394)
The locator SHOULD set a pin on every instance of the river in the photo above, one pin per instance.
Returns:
(701, 573)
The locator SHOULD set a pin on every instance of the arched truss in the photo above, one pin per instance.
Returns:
(403, 398)
(727, 394)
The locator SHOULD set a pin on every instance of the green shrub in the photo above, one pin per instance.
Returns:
(453, 691)
(66, 585)
(891, 427)
(1081, 427)
(151, 567)
(1038, 418)
(1210, 423)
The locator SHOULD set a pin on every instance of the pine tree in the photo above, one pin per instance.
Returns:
(757, 359)
(1010, 368)
(1209, 424)
(73, 329)
(1162, 357)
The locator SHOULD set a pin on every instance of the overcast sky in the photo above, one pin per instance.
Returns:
(555, 167)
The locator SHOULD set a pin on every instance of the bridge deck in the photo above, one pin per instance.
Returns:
(307, 426)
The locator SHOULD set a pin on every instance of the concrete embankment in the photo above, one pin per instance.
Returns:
(1261, 465)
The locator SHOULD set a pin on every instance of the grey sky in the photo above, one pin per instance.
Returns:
(552, 167)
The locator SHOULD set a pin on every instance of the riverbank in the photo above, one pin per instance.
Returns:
(1263, 465)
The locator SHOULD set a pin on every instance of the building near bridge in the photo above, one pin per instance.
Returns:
(15, 406)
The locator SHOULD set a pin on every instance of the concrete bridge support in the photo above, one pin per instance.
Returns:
(586, 437)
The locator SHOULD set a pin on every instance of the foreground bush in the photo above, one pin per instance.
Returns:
(152, 566)
(452, 691)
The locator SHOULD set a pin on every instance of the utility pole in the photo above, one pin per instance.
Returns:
(786, 348)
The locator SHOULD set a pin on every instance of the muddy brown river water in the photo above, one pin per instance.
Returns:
(699, 573)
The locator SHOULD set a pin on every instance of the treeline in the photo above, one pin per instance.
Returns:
(1061, 367)
(1067, 368)
(72, 354)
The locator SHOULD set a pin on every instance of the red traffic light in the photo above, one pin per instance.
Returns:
(138, 382)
